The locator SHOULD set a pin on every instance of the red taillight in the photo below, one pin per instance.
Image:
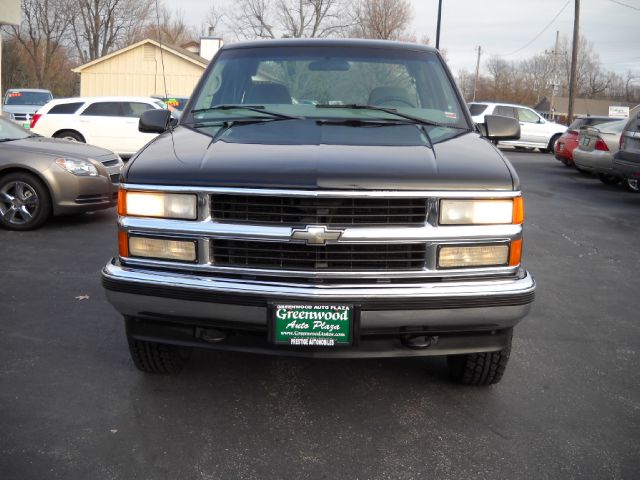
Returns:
(601, 145)
(34, 119)
(621, 146)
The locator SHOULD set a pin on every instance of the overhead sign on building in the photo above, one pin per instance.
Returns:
(618, 111)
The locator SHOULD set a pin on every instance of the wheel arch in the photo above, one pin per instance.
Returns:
(72, 130)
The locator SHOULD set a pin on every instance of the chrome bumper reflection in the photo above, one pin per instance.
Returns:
(494, 304)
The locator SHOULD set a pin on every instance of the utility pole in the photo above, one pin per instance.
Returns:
(554, 76)
(475, 81)
(574, 60)
(438, 27)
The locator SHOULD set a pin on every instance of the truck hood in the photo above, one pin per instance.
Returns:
(309, 155)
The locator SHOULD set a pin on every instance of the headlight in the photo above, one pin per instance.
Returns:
(461, 256)
(162, 249)
(158, 204)
(481, 212)
(76, 166)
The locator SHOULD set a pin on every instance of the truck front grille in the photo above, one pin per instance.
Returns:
(294, 211)
(299, 256)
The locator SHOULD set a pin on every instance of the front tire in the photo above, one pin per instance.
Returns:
(152, 357)
(25, 203)
(552, 143)
(484, 368)
(632, 185)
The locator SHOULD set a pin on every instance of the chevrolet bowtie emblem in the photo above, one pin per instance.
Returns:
(316, 235)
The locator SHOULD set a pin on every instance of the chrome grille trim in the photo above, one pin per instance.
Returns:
(205, 231)
(329, 193)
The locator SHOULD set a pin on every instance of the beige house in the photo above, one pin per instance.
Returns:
(138, 70)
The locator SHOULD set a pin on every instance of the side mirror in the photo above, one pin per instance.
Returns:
(154, 121)
(497, 127)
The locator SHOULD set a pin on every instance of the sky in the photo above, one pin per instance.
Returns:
(510, 28)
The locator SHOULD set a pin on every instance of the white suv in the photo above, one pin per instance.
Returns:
(107, 122)
(535, 131)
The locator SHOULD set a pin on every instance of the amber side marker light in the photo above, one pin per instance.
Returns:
(123, 243)
(515, 253)
(518, 210)
(122, 202)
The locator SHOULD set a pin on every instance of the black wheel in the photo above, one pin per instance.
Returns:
(151, 357)
(70, 135)
(24, 201)
(609, 179)
(552, 143)
(484, 368)
(631, 184)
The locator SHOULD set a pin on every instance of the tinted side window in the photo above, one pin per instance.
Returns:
(135, 109)
(527, 116)
(505, 111)
(65, 108)
(103, 109)
(477, 108)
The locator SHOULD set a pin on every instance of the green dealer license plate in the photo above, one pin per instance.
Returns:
(312, 325)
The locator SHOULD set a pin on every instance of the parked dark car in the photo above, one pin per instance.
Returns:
(40, 177)
(627, 160)
(567, 143)
(376, 220)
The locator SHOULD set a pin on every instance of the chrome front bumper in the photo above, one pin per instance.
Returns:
(461, 305)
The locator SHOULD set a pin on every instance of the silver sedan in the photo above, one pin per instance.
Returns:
(595, 151)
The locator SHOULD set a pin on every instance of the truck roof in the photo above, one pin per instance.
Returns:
(329, 42)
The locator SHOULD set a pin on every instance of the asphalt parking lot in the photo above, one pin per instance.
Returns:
(72, 406)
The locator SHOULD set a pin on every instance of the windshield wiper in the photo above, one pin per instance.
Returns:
(252, 108)
(391, 111)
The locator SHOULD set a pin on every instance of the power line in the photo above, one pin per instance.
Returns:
(540, 33)
(625, 4)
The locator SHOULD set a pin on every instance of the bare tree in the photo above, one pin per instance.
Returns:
(167, 27)
(631, 91)
(381, 19)
(41, 34)
(286, 18)
(500, 71)
(214, 20)
(100, 26)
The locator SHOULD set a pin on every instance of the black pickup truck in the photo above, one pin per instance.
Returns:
(323, 198)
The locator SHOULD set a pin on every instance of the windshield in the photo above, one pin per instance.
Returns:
(27, 98)
(307, 81)
(11, 131)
